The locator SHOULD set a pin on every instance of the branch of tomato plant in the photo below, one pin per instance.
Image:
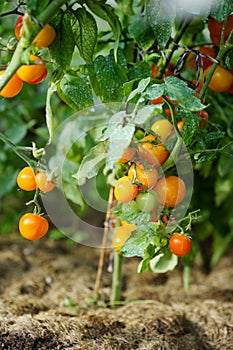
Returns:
(15, 11)
(173, 48)
(32, 28)
(37, 208)
(16, 150)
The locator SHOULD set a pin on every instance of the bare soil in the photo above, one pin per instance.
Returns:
(46, 288)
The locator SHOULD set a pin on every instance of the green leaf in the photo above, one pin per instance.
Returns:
(118, 141)
(161, 16)
(61, 49)
(222, 9)
(137, 243)
(91, 163)
(190, 127)
(106, 12)
(101, 76)
(141, 87)
(138, 70)
(142, 32)
(48, 111)
(178, 90)
(73, 193)
(143, 115)
(84, 29)
(130, 213)
(75, 90)
(154, 91)
(164, 261)
(214, 135)
(126, 6)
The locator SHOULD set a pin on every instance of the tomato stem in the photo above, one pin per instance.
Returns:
(15, 148)
(116, 279)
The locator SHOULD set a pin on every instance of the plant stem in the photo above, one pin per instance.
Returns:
(104, 243)
(186, 277)
(116, 279)
(14, 148)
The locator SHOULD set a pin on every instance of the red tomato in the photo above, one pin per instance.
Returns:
(180, 244)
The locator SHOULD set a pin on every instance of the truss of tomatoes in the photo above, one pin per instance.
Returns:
(35, 71)
(34, 226)
(145, 188)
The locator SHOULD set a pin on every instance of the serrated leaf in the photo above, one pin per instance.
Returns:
(101, 75)
(84, 29)
(61, 49)
(91, 163)
(178, 90)
(115, 121)
(136, 243)
(214, 135)
(164, 261)
(48, 111)
(142, 32)
(130, 213)
(75, 90)
(143, 115)
(139, 70)
(190, 128)
(222, 9)
(161, 16)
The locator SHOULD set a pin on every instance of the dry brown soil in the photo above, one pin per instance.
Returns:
(45, 287)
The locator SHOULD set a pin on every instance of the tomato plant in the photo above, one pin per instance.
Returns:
(155, 76)
(33, 226)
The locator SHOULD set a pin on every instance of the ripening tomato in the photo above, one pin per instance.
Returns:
(157, 101)
(215, 29)
(43, 39)
(32, 72)
(180, 244)
(13, 87)
(221, 80)
(147, 201)
(26, 179)
(124, 190)
(145, 178)
(204, 116)
(128, 154)
(33, 226)
(40, 79)
(154, 154)
(43, 183)
(163, 129)
(121, 234)
(171, 191)
(180, 124)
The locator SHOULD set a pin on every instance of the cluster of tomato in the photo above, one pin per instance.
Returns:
(146, 184)
(222, 79)
(33, 226)
(36, 71)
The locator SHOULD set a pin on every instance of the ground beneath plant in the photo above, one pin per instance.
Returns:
(46, 288)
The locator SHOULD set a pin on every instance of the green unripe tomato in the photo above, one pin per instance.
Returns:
(147, 201)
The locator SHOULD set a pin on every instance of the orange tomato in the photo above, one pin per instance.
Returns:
(26, 179)
(13, 87)
(215, 29)
(221, 80)
(121, 234)
(163, 129)
(33, 226)
(171, 191)
(146, 178)
(128, 154)
(32, 72)
(40, 79)
(43, 39)
(124, 190)
(153, 154)
(43, 184)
